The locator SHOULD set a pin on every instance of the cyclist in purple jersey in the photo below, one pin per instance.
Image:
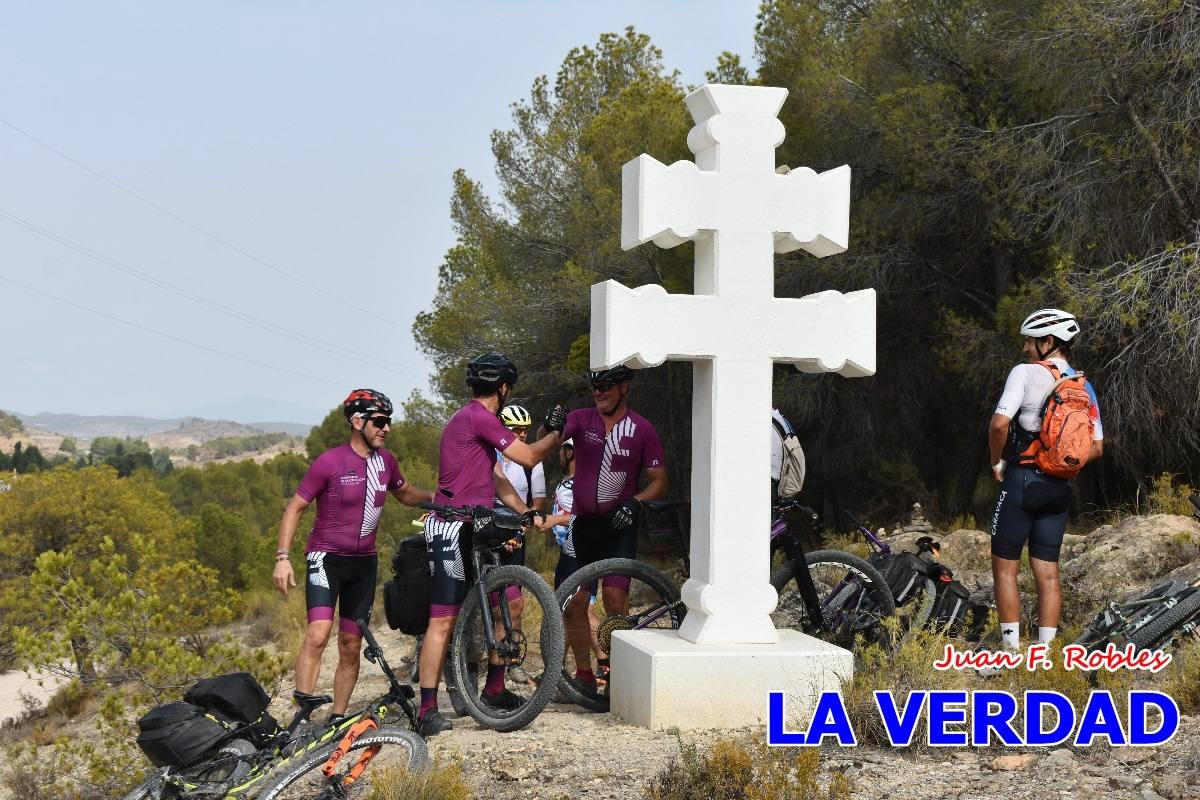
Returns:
(614, 448)
(350, 484)
(468, 475)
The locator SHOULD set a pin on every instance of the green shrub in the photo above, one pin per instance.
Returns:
(1167, 497)
(1183, 681)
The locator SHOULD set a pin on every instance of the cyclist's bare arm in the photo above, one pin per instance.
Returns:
(410, 495)
(656, 485)
(505, 491)
(529, 454)
(283, 575)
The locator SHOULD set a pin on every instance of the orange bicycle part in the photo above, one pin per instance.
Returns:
(356, 730)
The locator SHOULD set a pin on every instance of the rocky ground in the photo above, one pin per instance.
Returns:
(572, 754)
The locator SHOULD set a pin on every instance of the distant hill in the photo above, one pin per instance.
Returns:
(176, 432)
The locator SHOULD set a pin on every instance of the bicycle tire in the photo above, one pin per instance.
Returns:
(1157, 631)
(225, 766)
(303, 779)
(540, 656)
(854, 614)
(659, 591)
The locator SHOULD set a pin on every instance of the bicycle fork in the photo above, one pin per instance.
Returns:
(356, 730)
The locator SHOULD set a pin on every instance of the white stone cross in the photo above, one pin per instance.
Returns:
(739, 212)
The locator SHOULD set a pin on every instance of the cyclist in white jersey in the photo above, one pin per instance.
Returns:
(1032, 506)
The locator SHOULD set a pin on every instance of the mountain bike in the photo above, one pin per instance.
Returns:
(488, 629)
(829, 594)
(836, 597)
(1159, 619)
(912, 589)
(308, 763)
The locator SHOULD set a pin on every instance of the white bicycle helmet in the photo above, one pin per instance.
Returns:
(1051, 322)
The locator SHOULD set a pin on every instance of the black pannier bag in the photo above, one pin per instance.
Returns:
(236, 698)
(952, 605)
(178, 734)
(406, 595)
(904, 572)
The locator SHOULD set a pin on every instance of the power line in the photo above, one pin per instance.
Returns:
(173, 338)
(214, 237)
(320, 344)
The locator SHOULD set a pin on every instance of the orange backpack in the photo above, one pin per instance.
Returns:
(1062, 446)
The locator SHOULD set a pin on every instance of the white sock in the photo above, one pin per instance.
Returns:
(1046, 635)
(1010, 635)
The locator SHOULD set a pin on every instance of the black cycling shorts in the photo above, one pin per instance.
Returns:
(595, 539)
(446, 567)
(345, 581)
(1032, 506)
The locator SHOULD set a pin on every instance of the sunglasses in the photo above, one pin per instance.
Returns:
(602, 386)
(380, 422)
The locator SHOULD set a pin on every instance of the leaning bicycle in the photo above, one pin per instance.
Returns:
(327, 761)
(831, 595)
(1161, 618)
(509, 618)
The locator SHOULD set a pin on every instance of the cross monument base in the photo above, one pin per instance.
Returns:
(661, 680)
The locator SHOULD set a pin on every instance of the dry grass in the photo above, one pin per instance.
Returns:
(442, 782)
(270, 619)
(738, 770)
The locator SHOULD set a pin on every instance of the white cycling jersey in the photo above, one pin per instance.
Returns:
(1026, 389)
(516, 476)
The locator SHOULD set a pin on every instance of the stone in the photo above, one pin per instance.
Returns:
(1062, 757)
(674, 679)
(1136, 755)
(514, 769)
(1013, 763)
(1172, 787)
(740, 212)
(1124, 781)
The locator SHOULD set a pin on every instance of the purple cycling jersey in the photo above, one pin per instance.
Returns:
(350, 492)
(467, 456)
(607, 466)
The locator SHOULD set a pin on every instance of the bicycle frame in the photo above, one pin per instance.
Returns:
(267, 761)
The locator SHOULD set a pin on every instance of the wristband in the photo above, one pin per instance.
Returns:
(282, 551)
(282, 557)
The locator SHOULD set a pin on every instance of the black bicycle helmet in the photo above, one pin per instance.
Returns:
(364, 402)
(615, 374)
(491, 370)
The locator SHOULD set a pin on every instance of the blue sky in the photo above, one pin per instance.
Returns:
(318, 137)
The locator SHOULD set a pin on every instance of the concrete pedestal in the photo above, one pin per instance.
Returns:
(660, 680)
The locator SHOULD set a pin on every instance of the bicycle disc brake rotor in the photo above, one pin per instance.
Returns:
(608, 625)
(513, 648)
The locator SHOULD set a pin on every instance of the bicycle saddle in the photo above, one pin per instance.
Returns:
(310, 702)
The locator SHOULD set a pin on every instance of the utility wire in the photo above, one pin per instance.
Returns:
(214, 237)
(328, 347)
(167, 335)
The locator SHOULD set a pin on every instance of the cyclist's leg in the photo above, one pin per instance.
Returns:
(1011, 524)
(616, 588)
(448, 589)
(355, 598)
(320, 593)
(589, 538)
(1053, 496)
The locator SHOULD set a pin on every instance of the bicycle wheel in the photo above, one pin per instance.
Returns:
(398, 749)
(536, 636)
(854, 599)
(651, 602)
(1156, 631)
